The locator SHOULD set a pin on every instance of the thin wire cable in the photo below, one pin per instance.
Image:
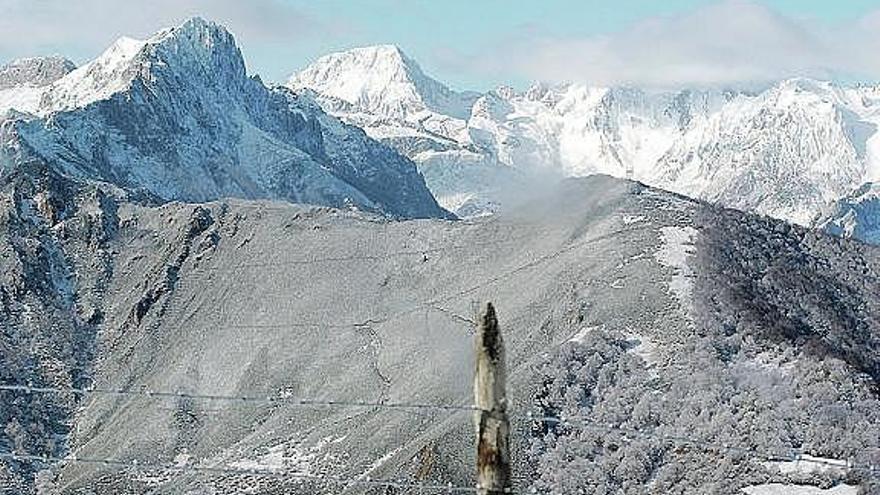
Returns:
(584, 422)
(432, 304)
(236, 471)
(291, 401)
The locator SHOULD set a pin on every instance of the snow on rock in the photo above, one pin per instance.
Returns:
(582, 334)
(782, 489)
(293, 458)
(856, 215)
(676, 248)
(24, 81)
(789, 151)
(175, 117)
(632, 219)
(34, 72)
(808, 464)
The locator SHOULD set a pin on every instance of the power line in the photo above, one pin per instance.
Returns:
(431, 304)
(449, 488)
(583, 422)
(269, 399)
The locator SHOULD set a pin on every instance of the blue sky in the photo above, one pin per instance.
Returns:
(479, 44)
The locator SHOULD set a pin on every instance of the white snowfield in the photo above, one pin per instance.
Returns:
(97, 80)
(789, 151)
(677, 247)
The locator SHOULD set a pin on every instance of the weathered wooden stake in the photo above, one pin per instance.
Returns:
(490, 398)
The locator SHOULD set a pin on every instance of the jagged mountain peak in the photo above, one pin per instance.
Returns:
(386, 63)
(381, 79)
(197, 37)
(202, 49)
(175, 117)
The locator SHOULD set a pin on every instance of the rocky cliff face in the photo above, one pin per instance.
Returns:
(56, 261)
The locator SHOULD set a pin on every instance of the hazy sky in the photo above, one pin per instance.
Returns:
(478, 44)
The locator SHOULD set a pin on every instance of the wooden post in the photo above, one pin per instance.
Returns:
(490, 398)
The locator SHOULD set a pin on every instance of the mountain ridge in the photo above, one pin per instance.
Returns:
(176, 117)
(740, 148)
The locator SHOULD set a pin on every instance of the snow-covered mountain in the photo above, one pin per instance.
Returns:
(789, 151)
(621, 305)
(385, 92)
(175, 117)
(23, 81)
(734, 345)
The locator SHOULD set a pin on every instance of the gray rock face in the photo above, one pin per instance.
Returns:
(37, 71)
(55, 262)
(182, 121)
(857, 215)
(620, 304)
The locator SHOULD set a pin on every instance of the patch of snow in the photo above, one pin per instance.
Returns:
(581, 335)
(182, 459)
(677, 247)
(809, 464)
(24, 99)
(292, 457)
(152, 479)
(378, 462)
(631, 219)
(644, 348)
(774, 361)
(784, 489)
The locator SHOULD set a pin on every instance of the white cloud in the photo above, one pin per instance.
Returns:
(732, 42)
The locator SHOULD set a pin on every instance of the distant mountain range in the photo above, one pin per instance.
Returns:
(176, 117)
(791, 151)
